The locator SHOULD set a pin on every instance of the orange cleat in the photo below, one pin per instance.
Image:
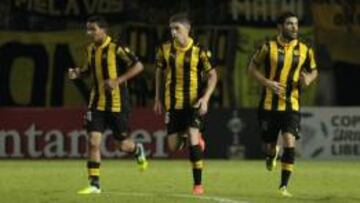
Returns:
(198, 190)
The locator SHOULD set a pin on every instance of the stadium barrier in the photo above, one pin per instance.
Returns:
(59, 133)
(330, 133)
(327, 133)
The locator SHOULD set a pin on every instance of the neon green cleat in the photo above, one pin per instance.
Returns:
(271, 162)
(284, 192)
(89, 190)
(141, 158)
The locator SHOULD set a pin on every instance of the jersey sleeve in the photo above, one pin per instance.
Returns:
(160, 59)
(205, 58)
(260, 54)
(311, 57)
(126, 56)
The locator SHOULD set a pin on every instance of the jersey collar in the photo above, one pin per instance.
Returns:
(104, 44)
(177, 46)
(282, 42)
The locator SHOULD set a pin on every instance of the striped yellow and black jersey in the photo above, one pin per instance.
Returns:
(284, 62)
(184, 71)
(108, 61)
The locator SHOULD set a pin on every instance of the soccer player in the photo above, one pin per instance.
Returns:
(111, 65)
(289, 63)
(186, 65)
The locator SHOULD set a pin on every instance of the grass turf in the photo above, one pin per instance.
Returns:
(234, 181)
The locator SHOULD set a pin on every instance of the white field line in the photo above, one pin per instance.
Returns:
(184, 196)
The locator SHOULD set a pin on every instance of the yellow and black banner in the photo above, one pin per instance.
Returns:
(34, 68)
(34, 65)
(338, 28)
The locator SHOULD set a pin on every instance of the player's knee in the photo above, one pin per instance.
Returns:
(173, 143)
(172, 147)
(94, 145)
(126, 145)
(94, 140)
(289, 140)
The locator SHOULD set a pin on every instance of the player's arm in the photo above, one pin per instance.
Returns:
(76, 72)
(211, 76)
(159, 66)
(308, 77)
(131, 72)
(253, 70)
(310, 73)
(134, 67)
(211, 84)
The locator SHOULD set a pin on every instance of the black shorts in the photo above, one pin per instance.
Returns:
(273, 122)
(99, 121)
(180, 120)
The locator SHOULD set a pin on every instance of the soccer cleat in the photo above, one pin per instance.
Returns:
(89, 190)
(141, 158)
(271, 161)
(202, 142)
(284, 192)
(198, 190)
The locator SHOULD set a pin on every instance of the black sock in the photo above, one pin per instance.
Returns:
(196, 158)
(94, 173)
(287, 165)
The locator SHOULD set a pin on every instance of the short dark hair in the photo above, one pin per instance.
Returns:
(99, 20)
(283, 16)
(181, 18)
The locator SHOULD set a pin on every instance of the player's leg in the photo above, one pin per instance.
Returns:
(290, 129)
(269, 129)
(271, 150)
(196, 158)
(95, 127)
(178, 141)
(118, 123)
(175, 141)
(287, 162)
(196, 152)
(197, 120)
(137, 149)
(176, 130)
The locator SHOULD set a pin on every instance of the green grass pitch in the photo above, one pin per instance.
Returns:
(235, 181)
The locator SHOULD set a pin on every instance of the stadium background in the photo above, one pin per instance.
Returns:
(40, 109)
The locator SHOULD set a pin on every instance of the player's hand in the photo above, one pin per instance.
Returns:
(202, 105)
(74, 73)
(305, 78)
(276, 87)
(111, 84)
(157, 107)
